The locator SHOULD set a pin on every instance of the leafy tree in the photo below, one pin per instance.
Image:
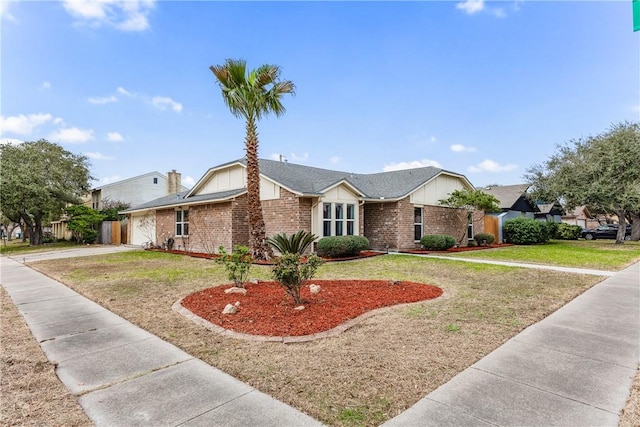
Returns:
(37, 180)
(252, 95)
(110, 209)
(83, 223)
(598, 171)
(471, 200)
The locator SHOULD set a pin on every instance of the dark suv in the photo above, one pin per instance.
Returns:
(606, 231)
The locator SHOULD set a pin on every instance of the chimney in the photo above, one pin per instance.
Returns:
(174, 181)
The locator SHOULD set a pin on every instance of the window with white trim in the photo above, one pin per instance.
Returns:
(182, 222)
(417, 224)
(326, 219)
(338, 219)
(351, 220)
(470, 226)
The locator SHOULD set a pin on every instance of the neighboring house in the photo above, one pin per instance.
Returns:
(549, 212)
(392, 209)
(137, 190)
(134, 191)
(514, 203)
(580, 216)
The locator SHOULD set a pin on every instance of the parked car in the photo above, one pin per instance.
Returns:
(606, 231)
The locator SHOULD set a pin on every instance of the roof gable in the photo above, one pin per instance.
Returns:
(512, 197)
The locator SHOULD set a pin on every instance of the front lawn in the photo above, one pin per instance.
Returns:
(594, 254)
(369, 373)
(17, 247)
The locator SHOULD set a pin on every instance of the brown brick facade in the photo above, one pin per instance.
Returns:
(386, 225)
(391, 224)
(288, 214)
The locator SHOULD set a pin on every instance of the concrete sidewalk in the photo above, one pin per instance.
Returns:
(575, 368)
(125, 376)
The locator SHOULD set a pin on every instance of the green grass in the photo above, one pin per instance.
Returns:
(17, 247)
(595, 254)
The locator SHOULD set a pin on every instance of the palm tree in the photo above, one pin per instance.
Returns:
(252, 95)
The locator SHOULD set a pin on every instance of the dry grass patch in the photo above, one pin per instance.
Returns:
(368, 374)
(630, 416)
(31, 393)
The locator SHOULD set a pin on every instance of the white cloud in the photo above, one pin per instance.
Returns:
(411, 165)
(188, 181)
(162, 102)
(471, 6)
(114, 137)
(499, 12)
(97, 156)
(103, 99)
(432, 139)
(129, 15)
(335, 160)
(58, 121)
(11, 141)
(4, 11)
(73, 135)
(123, 91)
(459, 148)
(23, 124)
(491, 166)
(302, 159)
(45, 86)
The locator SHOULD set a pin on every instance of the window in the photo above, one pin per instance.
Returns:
(351, 220)
(470, 226)
(182, 223)
(326, 219)
(155, 180)
(417, 223)
(338, 219)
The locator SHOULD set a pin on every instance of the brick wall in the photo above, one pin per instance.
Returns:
(288, 214)
(210, 226)
(380, 225)
(390, 225)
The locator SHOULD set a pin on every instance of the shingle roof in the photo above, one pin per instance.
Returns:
(310, 180)
(177, 199)
(508, 195)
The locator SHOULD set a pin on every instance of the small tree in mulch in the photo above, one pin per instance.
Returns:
(471, 200)
(291, 271)
(237, 264)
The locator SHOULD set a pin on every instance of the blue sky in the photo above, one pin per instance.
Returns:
(482, 88)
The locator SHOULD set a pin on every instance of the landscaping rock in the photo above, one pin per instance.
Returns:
(230, 309)
(315, 289)
(236, 290)
(299, 308)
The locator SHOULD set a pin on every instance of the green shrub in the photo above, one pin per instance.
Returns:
(487, 237)
(526, 231)
(568, 231)
(437, 242)
(237, 264)
(292, 270)
(342, 246)
(297, 243)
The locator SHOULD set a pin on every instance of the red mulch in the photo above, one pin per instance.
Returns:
(460, 249)
(363, 254)
(266, 309)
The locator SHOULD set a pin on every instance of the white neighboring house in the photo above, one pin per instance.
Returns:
(134, 191)
(137, 190)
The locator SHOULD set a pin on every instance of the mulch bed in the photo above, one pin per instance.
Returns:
(460, 249)
(266, 310)
(363, 254)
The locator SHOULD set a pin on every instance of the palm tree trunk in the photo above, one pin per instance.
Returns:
(260, 250)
